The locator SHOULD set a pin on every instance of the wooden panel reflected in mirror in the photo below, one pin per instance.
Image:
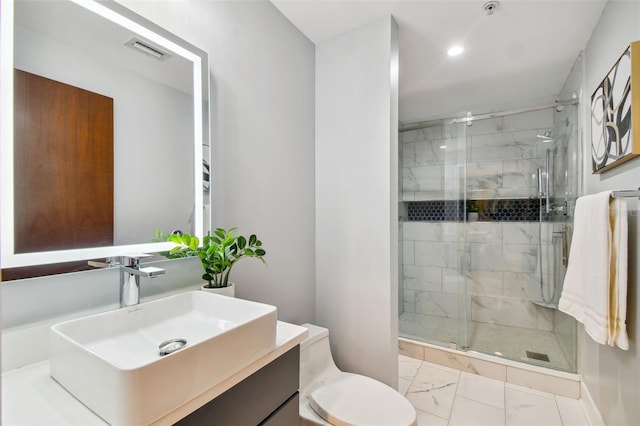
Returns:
(63, 170)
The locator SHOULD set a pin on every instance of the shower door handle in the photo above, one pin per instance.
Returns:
(565, 245)
(548, 180)
(562, 236)
(540, 187)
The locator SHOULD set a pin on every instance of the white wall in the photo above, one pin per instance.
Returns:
(610, 374)
(262, 78)
(356, 198)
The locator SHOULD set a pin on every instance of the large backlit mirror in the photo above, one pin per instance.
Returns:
(103, 138)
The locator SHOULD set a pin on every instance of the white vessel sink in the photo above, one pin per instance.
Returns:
(111, 361)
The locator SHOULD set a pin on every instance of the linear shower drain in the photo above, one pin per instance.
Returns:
(538, 356)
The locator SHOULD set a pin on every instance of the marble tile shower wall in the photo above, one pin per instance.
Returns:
(503, 156)
(502, 271)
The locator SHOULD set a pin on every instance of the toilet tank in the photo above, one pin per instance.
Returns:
(316, 333)
(316, 362)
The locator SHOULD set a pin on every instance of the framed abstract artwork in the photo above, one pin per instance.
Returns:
(615, 113)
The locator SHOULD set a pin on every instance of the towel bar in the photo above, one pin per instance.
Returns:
(626, 193)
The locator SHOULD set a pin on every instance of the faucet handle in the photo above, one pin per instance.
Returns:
(132, 259)
(152, 271)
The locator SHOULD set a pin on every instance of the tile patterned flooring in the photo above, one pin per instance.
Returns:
(445, 396)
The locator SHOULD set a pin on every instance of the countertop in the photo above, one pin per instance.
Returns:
(31, 397)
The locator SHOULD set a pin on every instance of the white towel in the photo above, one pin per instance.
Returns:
(595, 286)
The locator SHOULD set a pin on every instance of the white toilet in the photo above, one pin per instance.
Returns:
(329, 396)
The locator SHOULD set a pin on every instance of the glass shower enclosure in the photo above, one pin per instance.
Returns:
(486, 229)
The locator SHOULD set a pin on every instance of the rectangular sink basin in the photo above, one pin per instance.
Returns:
(111, 361)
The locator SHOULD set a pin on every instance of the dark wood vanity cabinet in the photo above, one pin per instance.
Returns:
(269, 397)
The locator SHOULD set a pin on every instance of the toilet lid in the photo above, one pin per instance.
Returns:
(355, 400)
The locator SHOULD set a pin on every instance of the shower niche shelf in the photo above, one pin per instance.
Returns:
(493, 210)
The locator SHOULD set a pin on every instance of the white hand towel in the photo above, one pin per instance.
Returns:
(596, 279)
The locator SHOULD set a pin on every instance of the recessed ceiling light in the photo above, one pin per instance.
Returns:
(455, 50)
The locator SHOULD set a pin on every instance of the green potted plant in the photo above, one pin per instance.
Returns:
(218, 254)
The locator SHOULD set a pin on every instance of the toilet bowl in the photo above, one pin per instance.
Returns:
(329, 396)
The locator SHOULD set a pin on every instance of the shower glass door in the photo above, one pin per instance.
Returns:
(432, 292)
(515, 237)
(453, 296)
(482, 260)
(454, 229)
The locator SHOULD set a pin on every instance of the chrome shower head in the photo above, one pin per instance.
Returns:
(546, 136)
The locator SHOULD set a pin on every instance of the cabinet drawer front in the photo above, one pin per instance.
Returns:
(254, 399)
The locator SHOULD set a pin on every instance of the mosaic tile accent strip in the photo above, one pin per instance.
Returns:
(499, 210)
(435, 211)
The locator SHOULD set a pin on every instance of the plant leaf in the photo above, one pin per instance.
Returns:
(174, 239)
(242, 242)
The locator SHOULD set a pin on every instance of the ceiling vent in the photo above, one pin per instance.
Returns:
(148, 49)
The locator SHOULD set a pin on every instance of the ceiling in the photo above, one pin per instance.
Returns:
(518, 56)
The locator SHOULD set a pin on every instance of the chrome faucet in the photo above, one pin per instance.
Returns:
(130, 273)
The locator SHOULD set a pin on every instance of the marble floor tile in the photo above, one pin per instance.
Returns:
(481, 389)
(445, 396)
(428, 419)
(408, 367)
(530, 408)
(526, 389)
(404, 385)
(571, 411)
(434, 389)
(467, 412)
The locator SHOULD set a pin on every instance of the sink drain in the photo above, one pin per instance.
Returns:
(169, 346)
